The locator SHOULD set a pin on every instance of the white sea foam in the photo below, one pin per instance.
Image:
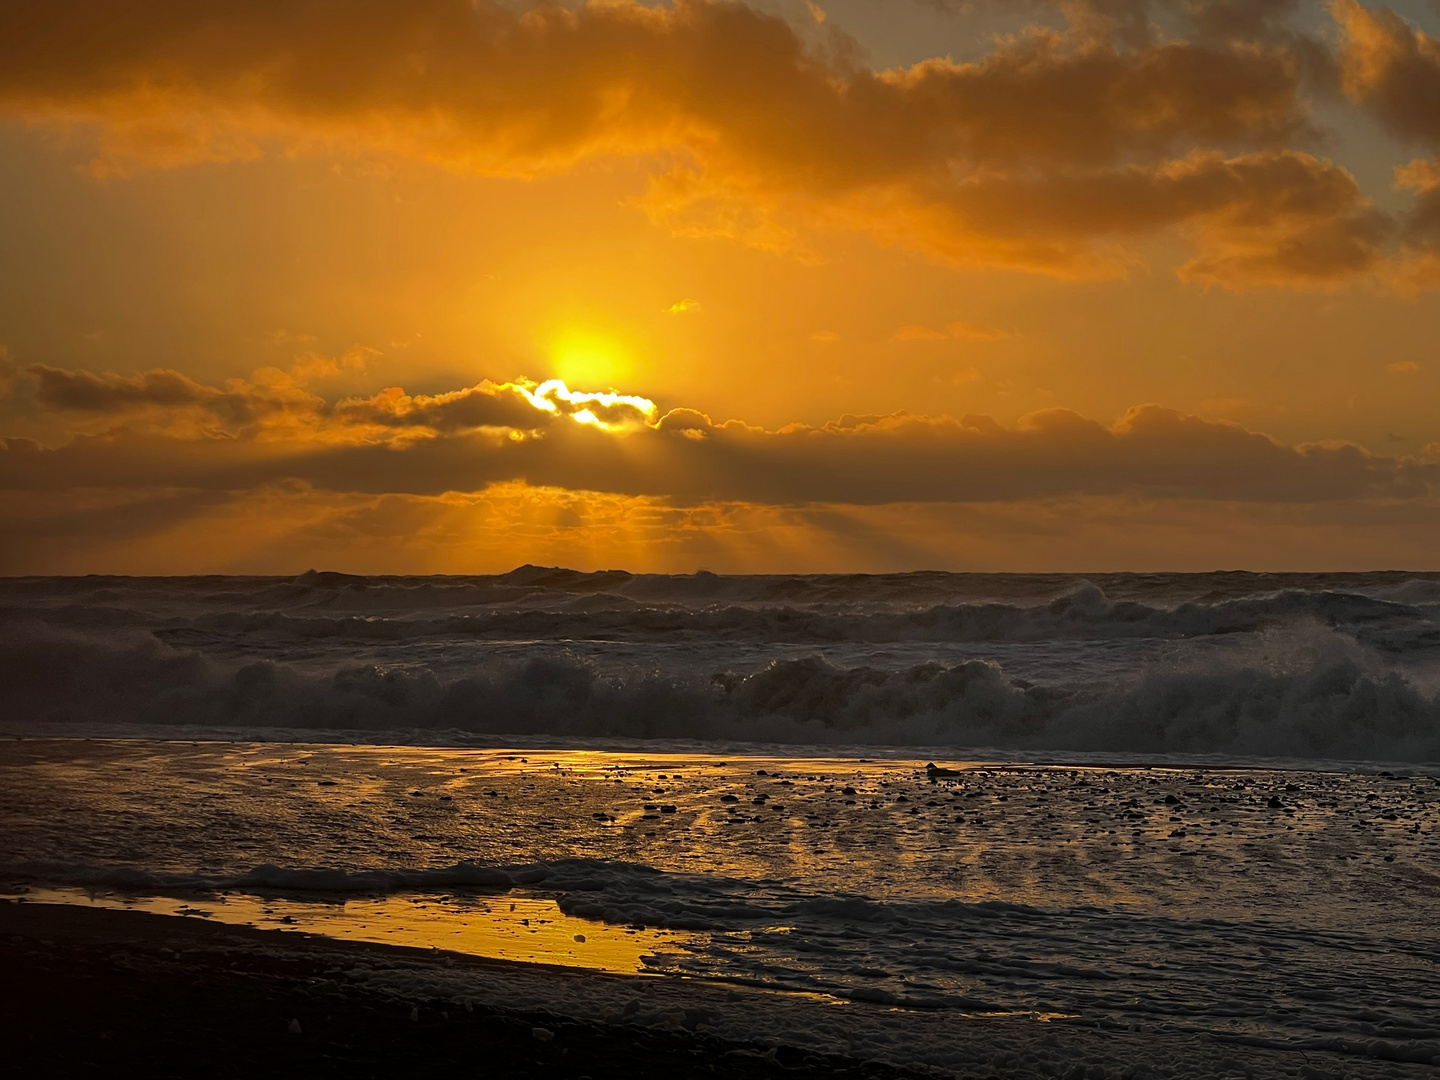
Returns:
(1287, 666)
(1325, 697)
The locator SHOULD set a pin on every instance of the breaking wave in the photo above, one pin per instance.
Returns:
(1318, 697)
(1084, 613)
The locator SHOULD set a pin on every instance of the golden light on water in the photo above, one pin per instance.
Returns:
(525, 929)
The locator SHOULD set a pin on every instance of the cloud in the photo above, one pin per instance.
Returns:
(273, 406)
(486, 405)
(1402, 367)
(167, 400)
(1393, 68)
(547, 435)
(1055, 153)
(512, 407)
(84, 391)
(681, 307)
(1419, 266)
(160, 473)
(313, 366)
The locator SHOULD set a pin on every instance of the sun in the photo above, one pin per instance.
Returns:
(591, 360)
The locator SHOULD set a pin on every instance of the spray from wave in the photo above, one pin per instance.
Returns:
(1310, 694)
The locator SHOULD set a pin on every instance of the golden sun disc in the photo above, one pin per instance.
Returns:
(581, 358)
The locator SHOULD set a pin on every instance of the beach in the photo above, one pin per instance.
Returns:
(720, 538)
(998, 920)
(962, 825)
(136, 994)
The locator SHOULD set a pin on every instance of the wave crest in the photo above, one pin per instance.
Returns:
(1321, 702)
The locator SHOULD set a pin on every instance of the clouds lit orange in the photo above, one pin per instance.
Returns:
(768, 258)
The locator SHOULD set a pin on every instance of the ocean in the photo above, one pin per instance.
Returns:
(1179, 805)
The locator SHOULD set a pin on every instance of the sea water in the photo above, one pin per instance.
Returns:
(1301, 667)
(1202, 804)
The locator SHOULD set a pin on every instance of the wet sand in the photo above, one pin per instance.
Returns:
(92, 992)
(96, 992)
(1010, 921)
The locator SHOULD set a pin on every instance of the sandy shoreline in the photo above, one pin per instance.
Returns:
(89, 990)
(679, 750)
(844, 918)
(154, 995)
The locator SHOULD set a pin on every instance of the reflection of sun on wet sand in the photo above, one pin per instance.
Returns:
(520, 928)
(91, 991)
(906, 904)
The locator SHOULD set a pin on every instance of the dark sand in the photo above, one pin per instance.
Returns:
(88, 992)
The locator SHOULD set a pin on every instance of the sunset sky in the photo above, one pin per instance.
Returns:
(436, 286)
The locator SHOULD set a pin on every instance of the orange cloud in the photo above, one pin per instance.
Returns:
(272, 406)
(547, 435)
(1054, 154)
(157, 467)
(1394, 70)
